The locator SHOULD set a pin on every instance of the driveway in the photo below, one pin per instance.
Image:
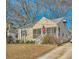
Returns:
(61, 52)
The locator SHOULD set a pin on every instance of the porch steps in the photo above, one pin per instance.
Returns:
(39, 39)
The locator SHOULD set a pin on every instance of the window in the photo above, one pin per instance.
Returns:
(23, 33)
(48, 30)
(37, 31)
(34, 31)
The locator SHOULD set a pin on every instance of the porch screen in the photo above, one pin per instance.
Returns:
(36, 33)
(51, 31)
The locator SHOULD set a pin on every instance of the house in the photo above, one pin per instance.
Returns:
(56, 27)
(11, 33)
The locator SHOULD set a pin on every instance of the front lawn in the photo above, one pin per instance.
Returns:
(27, 51)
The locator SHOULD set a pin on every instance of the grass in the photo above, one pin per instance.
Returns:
(27, 51)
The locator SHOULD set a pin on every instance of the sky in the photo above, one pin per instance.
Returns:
(46, 13)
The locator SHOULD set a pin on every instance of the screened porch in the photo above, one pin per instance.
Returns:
(49, 31)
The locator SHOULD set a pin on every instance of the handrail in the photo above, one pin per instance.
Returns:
(39, 39)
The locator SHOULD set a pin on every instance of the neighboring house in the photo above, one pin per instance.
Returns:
(56, 27)
(11, 34)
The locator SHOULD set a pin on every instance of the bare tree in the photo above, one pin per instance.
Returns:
(34, 8)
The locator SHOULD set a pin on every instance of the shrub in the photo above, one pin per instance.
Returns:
(19, 41)
(50, 39)
(30, 42)
(46, 39)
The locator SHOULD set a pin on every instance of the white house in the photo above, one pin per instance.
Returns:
(56, 27)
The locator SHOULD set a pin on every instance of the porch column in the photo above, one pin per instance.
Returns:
(41, 32)
(51, 32)
(57, 32)
(19, 34)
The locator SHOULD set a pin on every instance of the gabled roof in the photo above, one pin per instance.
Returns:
(44, 22)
